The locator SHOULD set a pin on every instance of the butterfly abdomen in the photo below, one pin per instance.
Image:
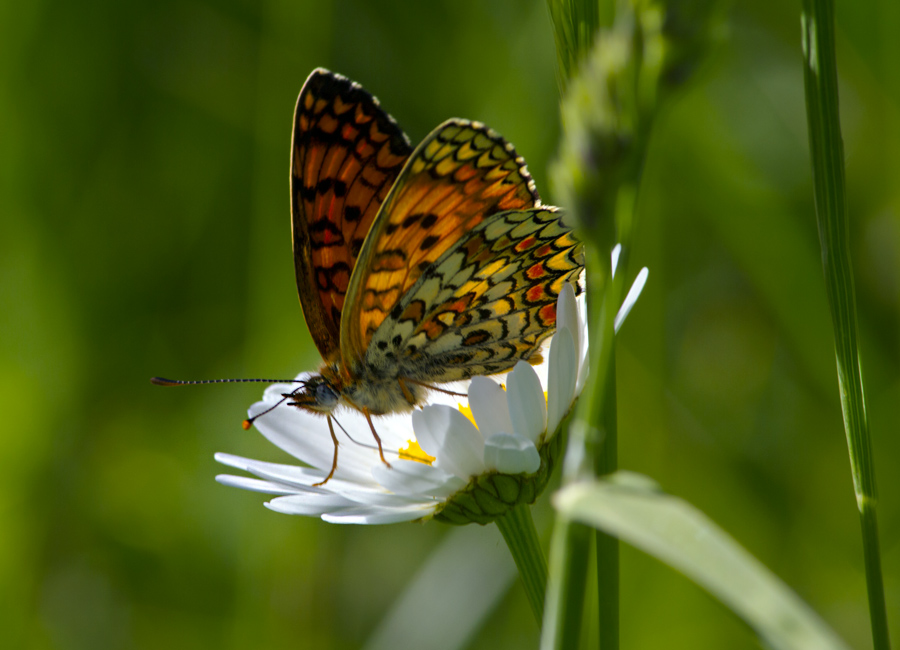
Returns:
(382, 395)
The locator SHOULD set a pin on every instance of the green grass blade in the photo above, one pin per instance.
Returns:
(826, 148)
(607, 546)
(566, 582)
(632, 508)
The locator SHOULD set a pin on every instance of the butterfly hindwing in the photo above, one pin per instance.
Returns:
(460, 175)
(489, 300)
(346, 154)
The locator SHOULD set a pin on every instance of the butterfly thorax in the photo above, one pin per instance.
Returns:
(381, 393)
(378, 394)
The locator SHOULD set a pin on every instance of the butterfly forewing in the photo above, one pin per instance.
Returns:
(347, 153)
(487, 302)
(457, 177)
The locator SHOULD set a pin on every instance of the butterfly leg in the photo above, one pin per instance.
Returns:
(428, 386)
(334, 462)
(409, 396)
(377, 439)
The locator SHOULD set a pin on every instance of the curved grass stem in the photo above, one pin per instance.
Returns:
(826, 148)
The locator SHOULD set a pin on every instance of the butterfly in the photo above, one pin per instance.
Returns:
(415, 266)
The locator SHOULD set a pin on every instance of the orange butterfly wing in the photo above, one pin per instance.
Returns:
(346, 154)
(461, 173)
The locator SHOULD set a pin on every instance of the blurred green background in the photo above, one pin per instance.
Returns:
(145, 231)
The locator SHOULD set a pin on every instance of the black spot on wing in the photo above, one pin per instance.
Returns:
(428, 242)
(352, 213)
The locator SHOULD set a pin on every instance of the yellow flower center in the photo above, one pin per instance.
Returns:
(415, 452)
(465, 410)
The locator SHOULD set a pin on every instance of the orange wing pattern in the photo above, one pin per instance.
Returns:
(346, 154)
(460, 174)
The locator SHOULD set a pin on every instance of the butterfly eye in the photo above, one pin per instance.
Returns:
(326, 396)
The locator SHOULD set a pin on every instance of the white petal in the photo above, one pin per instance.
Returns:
(447, 434)
(567, 316)
(542, 369)
(525, 397)
(584, 355)
(509, 454)
(364, 515)
(407, 477)
(306, 437)
(488, 403)
(231, 460)
(299, 479)
(254, 484)
(616, 251)
(309, 504)
(424, 435)
(395, 430)
(563, 376)
(383, 498)
(633, 294)
(438, 397)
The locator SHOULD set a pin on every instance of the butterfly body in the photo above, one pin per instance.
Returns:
(415, 266)
(372, 391)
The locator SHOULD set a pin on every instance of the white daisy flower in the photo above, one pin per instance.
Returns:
(453, 460)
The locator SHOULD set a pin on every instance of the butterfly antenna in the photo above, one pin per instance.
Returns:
(162, 381)
(246, 424)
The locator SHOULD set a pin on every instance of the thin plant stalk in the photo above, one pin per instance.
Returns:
(576, 23)
(607, 459)
(603, 445)
(566, 582)
(826, 148)
(623, 70)
(571, 541)
(607, 546)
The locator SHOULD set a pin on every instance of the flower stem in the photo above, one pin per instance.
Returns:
(826, 148)
(517, 528)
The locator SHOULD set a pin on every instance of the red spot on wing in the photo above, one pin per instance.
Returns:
(535, 294)
(547, 314)
(525, 244)
(536, 271)
(461, 304)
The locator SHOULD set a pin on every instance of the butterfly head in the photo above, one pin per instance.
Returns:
(318, 394)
